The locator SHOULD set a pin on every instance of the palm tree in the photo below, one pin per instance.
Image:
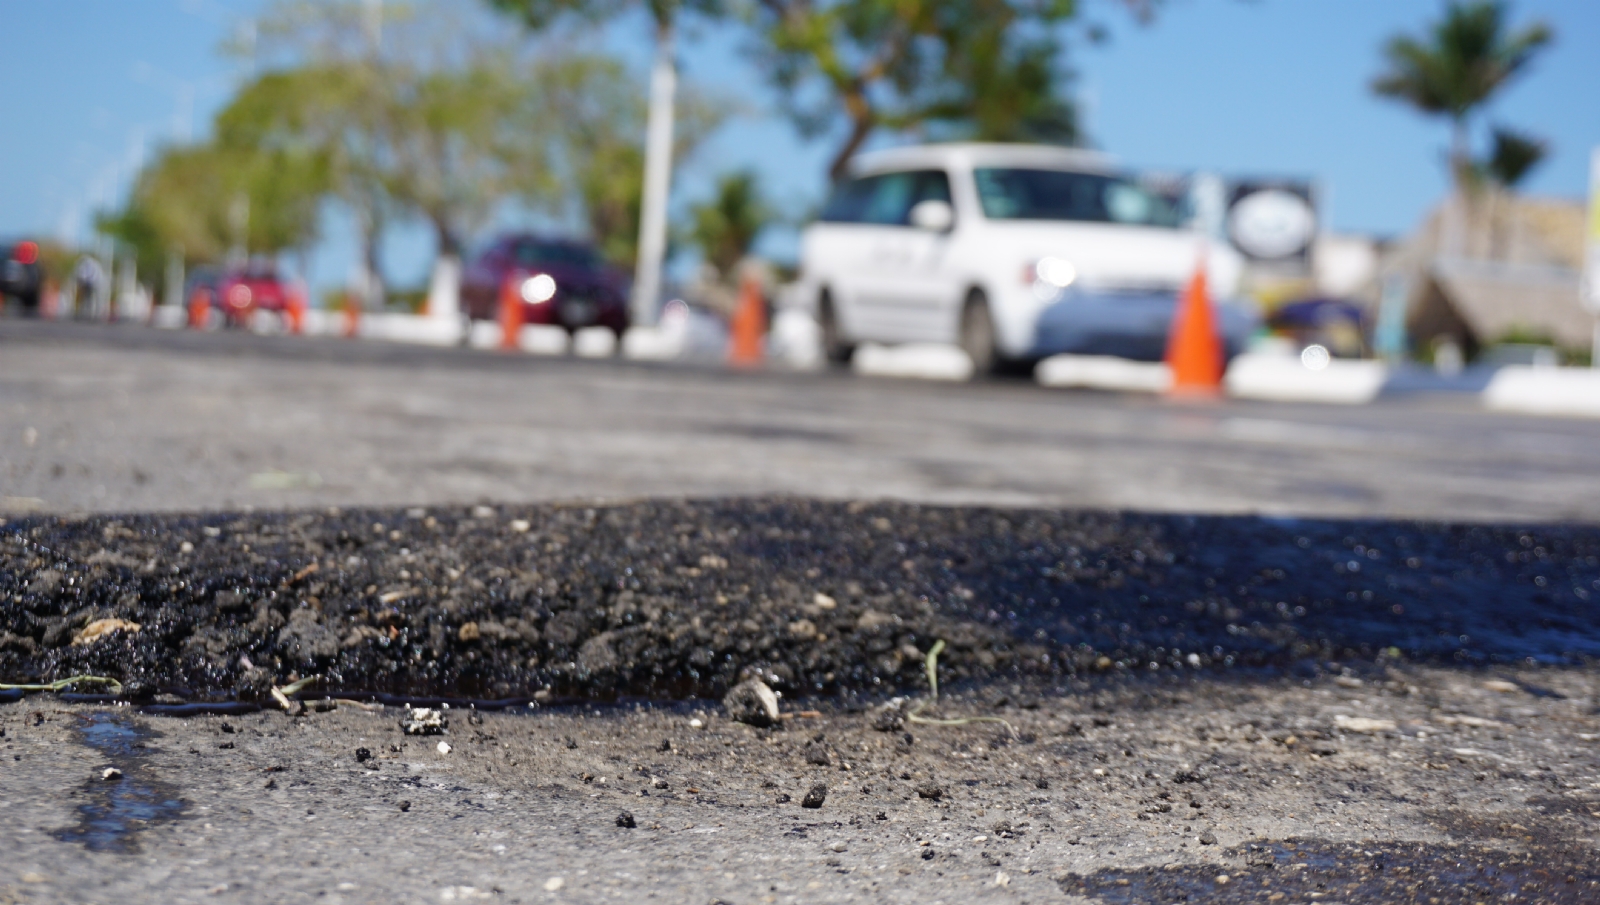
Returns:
(1513, 156)
(1467, 56)
(727, 225)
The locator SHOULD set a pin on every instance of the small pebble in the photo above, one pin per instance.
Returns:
(1222, 879)
(110, 774)
(405, 805)
(626, 821)
(444, 747)
(554, 884)
(815, 797)
(696, 723)
(839, 847)
(1208, 839)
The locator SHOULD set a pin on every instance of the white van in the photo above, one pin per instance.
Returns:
(1013, 252)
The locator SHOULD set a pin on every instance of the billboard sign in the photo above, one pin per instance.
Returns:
(1273, 222)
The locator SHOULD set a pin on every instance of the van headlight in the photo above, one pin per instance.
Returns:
(1048, 276)
(536, 289)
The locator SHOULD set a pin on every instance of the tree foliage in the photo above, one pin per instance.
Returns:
(435, 118)
(728, 224)
(599, 107)
(983, 69)
(542, 14)
(205, 200)
(1512, 156)
(1457, 67)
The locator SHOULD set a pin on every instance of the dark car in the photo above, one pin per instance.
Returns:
(562, 283)
(1335, 324)
(21, 277)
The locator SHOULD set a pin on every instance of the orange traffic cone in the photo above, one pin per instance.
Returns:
(1194, 350)
(352, 315)
(749, 325)
(199, 307)
(295, 309)
(511, 313)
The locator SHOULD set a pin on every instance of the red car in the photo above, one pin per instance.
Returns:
(560, 282)
(240, 292)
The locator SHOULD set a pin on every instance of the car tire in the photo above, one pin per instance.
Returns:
(977, 334)
(836, 347)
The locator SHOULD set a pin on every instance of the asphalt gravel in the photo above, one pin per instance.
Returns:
(1413, 786)
(671, 600)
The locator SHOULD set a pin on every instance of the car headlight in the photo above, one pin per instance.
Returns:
(539, 288)
(1048, 276)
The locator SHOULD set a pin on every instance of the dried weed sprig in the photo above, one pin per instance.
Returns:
(913, 715)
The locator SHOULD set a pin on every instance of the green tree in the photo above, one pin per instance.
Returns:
(1512, 156)
(539, 15)
(204, 201)
(422, 110)
(1456, 68)
(328, 112)
(598, 152)
(983, 69)
(727, 225)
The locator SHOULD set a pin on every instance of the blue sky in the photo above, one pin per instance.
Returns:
(1245, 87)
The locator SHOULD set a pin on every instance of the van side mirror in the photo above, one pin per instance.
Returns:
(933, 215)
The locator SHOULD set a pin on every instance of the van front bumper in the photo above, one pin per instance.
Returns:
(1126, 324)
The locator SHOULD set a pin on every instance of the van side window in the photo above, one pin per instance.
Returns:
(848, 200)
(885, 199)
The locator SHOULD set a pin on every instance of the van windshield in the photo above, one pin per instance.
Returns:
(1018, 194)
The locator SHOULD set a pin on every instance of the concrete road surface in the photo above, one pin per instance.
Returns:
(126, 418)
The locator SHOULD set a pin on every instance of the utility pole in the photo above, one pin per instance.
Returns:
(372, 24)
(1591, 259)
(657, 179)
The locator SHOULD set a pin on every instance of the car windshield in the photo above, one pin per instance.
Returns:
(1021, 194)
(531, 253)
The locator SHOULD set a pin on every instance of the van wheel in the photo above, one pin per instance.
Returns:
(977, 333)
(835, 346)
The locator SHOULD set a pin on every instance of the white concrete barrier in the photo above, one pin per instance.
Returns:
(170, 317)
(485, 335)
(411, 328)
(923, 361)
(1545, 391)
(1103, 372)
(652, 343)
(1280, 378)
(795, 340)
(322, 322)
(594, 342)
